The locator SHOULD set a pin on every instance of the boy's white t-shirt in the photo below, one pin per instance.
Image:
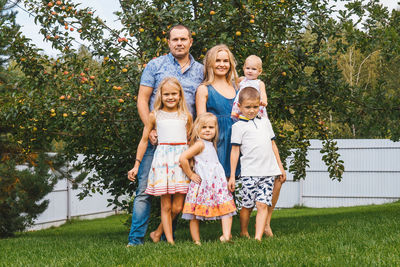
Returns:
(254, 137)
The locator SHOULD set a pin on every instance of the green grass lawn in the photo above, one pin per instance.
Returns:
(368, 235)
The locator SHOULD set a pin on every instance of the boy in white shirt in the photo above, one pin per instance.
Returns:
(260, 161)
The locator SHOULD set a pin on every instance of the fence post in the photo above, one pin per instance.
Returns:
(68, 201)
(68, 194)
(301, 184)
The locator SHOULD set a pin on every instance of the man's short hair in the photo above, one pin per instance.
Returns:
(179, 26)
(248, 93)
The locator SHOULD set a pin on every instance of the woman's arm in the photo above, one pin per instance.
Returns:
(234, 160)
(192, 151)
(278, 159)
(201, 99)
(141, 149)
(263, 94)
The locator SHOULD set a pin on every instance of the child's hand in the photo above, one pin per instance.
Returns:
(231, 184)
(264, 104)
(195, 178)
(132, 173)
(282, 177)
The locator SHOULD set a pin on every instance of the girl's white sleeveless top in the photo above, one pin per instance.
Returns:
(250, 83)
(171, 127)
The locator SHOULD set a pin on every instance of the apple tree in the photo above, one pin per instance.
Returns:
(87, 100)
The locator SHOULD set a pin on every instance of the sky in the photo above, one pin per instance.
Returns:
(105, 9)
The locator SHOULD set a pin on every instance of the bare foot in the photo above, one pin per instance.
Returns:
(246, 235)
(154, 237)
(224, 240)
(268, 231)
(198, 243)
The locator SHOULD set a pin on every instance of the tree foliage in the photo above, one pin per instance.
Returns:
(370, 64)
(88, 99)
(22, 191)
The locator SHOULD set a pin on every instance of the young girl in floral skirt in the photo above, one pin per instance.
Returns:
(173, 121)
(208, 197)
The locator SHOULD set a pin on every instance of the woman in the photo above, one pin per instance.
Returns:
(216, 95)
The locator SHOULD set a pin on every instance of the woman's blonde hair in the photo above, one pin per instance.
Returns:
(173, 82)
(198, 124)
(209, 62)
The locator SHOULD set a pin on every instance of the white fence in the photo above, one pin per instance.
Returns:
(65, 205)
(372, 176)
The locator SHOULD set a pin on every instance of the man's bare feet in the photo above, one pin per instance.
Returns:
(154, 237)
(268, 231)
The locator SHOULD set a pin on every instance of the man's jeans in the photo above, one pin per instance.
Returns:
(142, 201)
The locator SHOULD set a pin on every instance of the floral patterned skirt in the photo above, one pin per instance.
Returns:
(166, 176)
(211, 199)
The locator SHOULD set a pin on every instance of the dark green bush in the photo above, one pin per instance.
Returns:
(22, 192)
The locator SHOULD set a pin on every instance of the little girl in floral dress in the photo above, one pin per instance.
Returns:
(208, 197)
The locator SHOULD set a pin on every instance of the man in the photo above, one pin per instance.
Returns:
(181, 65)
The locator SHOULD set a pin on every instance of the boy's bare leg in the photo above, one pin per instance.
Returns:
(275, 197)
(261, 219)
(195, 230)
(226, 228)
(177, 205)
(244, 221)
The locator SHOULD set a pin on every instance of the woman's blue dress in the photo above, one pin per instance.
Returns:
(221, 107)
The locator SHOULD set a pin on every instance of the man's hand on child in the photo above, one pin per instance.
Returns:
(231, 184)
(153, 137)
(264, 104)
(195, 178)
(132, 174)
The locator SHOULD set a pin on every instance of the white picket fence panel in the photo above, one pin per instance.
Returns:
(372, 176)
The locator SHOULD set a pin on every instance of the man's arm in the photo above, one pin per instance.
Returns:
(144, 110)
(278, 159)
(143, 102)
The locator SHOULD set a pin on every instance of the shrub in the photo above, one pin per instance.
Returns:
(22, 191)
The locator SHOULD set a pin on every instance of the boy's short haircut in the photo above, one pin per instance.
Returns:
(248, 93)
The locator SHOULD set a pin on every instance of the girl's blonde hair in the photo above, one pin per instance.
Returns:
(256, 59)
(209, 63)
(173, 82)
(200, 121)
